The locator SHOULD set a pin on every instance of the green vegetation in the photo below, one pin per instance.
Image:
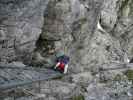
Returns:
(131, 8)
(58, 78)
(126, 8)
(129, 74)
(118, 77)
(79, 97)
(78, 24)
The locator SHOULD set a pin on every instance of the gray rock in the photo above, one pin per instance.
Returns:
(96, 92)
(39, 25)
(115, 90)
(76, 30)
(60, 90)
(33, 31)
(20, 26)
(121, 24)
(82, 78)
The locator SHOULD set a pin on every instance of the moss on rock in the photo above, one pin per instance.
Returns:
(129, 74)
(79, 97)
(117, 77)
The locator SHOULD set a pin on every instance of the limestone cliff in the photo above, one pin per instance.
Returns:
(91, 32)
(71, 23)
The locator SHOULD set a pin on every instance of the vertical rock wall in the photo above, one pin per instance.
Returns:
(74, 24)
(69, 23)
(20, 26)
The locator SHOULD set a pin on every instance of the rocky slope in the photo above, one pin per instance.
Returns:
(91, 32)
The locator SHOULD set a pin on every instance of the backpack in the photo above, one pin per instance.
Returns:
(63, 59)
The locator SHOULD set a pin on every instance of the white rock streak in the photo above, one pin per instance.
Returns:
(99, 27)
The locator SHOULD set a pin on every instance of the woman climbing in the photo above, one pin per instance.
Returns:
(62, 63)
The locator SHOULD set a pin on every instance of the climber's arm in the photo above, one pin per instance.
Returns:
(57, 65)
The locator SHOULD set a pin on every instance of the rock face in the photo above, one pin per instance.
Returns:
(114, 91)
(26, 25)
(119, 25)
(20, 26)
(74, 25)
(91, 32)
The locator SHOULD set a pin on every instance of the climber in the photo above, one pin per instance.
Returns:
(62, 63)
